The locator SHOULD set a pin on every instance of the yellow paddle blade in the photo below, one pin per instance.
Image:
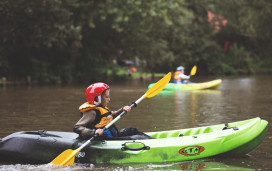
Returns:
(193, 70)
(66, 158)
(158, 87)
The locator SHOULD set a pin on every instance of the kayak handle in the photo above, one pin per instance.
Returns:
(134, 146)
(227, 127)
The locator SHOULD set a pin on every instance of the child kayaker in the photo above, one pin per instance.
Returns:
(180, 77)
(96, 115)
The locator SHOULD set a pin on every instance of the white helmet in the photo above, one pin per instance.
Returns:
(180, 68)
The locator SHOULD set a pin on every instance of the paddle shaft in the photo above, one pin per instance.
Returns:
(112, 122)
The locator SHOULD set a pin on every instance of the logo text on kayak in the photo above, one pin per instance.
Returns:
(80, 154)
(191, 150)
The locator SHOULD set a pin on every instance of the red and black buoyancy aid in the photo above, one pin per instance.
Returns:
(103, 117)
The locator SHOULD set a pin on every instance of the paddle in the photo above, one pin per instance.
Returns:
(193, 70)
(68, 156)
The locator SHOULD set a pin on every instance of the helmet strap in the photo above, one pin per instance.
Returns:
(98, 102)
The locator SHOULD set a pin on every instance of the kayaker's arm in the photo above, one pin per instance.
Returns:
(183, 76)
(119, 111)
(81, 126)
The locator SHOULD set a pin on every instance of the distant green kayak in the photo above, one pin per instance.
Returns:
(192, 86)
(230, 139)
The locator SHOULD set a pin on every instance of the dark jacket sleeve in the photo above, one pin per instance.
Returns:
(117, 112)
(81, 127)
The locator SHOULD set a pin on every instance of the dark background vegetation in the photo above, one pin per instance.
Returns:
(77, 41)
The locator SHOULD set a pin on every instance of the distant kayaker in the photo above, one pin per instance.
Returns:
(96, 115)
(180, 77)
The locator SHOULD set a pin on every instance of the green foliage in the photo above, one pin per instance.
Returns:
(236, 61)
(249, 27)
(67, 41)
(37, 31)
(242, 61)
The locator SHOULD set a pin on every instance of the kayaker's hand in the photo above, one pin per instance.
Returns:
(99, 132)
(126, 108)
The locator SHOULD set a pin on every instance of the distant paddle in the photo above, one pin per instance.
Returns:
(193, 70)
(68, 156)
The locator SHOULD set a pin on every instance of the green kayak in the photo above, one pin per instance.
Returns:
(230, 139)
(192, 86)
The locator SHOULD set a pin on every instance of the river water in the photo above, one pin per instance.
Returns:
(24, 108)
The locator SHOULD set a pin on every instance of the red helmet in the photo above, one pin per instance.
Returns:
(95, 90)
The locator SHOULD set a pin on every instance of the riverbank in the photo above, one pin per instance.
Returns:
(119, 76)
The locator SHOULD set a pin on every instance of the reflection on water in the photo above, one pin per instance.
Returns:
(190, 103)
(190, 107)
(189, 165)
(56, 108)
